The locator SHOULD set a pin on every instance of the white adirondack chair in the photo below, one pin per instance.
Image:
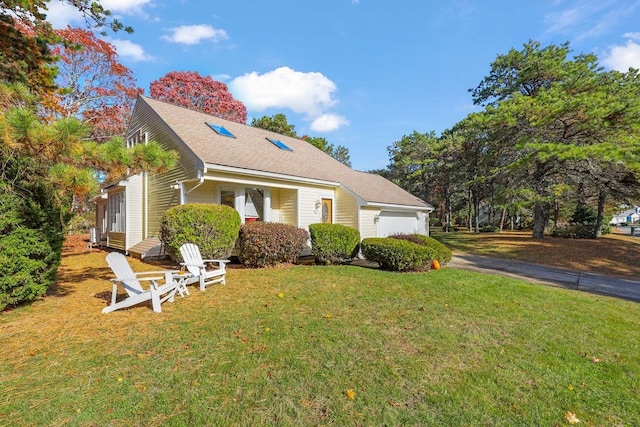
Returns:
(131, 283)
(192, 260)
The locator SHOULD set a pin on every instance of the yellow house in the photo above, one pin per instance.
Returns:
(265, 176)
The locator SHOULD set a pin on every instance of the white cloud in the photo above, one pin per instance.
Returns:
(328, 122)
(632, 36)
(124, 6)
(621, 58)
(62, 14)
(561, 20)
(303, 93)
(127, 49)
(221, 77)
(194, 34)
(582, 19)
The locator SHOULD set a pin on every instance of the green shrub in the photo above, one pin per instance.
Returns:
(334, 243)
(574, 231)
(29, 257)
(582, 225)
(397, 255)
(584, 214)
(442, 253)
(266, 244)
(214, 228)
(487, 228)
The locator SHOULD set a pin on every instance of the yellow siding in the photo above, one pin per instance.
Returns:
(275, 205)
(368, 226)
(116, 240)
(346, 209)
(161, 195)
(308, 197)
(161, 198)
(287, 212)
(204, 193)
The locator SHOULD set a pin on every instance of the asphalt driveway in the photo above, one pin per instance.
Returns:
(625, 288)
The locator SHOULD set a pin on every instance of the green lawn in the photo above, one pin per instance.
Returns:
(285, 346)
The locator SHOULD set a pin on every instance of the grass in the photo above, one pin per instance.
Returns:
(286, 346)
(613, 254)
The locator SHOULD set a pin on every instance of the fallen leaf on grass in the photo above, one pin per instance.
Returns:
(571, 417)
(351, 394)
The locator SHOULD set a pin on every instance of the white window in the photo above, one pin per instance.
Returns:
(116, 212)
(137, 138)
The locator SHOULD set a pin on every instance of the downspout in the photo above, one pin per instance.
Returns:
(200, 179)
(146, 195)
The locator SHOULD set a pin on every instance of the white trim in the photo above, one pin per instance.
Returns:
(270, 175)
(392, 207)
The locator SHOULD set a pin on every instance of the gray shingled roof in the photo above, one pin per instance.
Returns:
(251, 150)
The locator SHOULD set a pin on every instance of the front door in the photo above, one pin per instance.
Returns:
(327, 211)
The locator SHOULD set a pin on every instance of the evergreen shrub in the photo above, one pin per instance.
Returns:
(29, 256)
(267, 244)
(397, 255)
(213, 228)
(442, 253)
(334, 243)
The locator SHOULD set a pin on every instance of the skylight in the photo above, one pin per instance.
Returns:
(221, 130)
(281, 145)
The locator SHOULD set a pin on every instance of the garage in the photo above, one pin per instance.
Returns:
(397, 222)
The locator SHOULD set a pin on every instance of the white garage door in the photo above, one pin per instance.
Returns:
(390, 223)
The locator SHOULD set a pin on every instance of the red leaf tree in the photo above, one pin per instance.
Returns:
(94, 85)
(190, 89)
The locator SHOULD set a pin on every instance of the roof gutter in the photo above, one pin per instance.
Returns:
(271, 175)
(390, 206)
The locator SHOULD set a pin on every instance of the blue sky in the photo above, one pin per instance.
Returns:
(361, 73)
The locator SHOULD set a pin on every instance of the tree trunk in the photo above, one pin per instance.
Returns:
(503, 218)
(476, 212)
(597, 232)
(447, 210)
(540, 219)
(469, 211)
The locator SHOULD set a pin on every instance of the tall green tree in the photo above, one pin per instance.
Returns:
(278, 123)
(547, 112)
(410, 159)
(340, 153)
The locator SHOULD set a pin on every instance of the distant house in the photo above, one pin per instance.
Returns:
(265, 176)
(630, 216)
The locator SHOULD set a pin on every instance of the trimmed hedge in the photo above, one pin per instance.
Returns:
(214, 228)
(267, 244)
(334, 243)
(443, 254)
(398, 255)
